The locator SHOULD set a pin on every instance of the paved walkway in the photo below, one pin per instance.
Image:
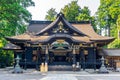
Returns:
(58, 75)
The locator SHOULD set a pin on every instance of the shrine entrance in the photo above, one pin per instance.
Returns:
(60, 58)
(60, 61)
(60, 52)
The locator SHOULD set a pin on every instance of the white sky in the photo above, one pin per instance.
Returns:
(42, 6)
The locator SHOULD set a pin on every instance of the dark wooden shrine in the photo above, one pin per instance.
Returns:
(57, 43)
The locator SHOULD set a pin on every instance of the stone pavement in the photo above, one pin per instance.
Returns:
(31, 74)
(59, 77)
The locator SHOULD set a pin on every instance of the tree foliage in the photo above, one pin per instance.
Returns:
(114, 44)
(71, 11)
(51, 14)
(14, 14)
(13, 17)
(108, 15)
(108, 12)
(118, 26)
(84, 15)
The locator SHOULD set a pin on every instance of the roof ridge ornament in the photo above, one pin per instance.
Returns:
(60, 14)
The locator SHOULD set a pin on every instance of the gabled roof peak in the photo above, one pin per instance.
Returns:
(60, 14)
(60, 18)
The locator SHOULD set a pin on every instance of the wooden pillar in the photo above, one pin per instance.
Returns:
(95, 58)
(37, 61)
(25, 66)
(46, 55)
(74, 58)
(95, 52)
(46, 59)
(82, 60)
(39, 56)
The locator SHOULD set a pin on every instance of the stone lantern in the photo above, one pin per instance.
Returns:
(17, 68)
(103, 68)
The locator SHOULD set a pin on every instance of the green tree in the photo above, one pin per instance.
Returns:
(118, 27)
(71, 11)
(14, 14)
(92, 19)
(13, 17)
(84, 15)
(51, 14)
(107, 14)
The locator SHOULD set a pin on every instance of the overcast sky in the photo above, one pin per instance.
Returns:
(42, 6)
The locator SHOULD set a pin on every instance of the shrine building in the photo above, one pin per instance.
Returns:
(58, 43)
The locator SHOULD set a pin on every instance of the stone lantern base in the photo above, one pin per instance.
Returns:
(17, 69)
(103, 70)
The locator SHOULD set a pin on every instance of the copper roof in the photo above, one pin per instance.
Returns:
(30, 37)
(33, 38)
(36, 26)
(24, 36)
(85, 28)
(84, 38)
(89, 31)
(85, 33)
(111, 52)
(11, 46)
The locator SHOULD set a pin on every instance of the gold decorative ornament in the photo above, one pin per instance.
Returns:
(85, 52)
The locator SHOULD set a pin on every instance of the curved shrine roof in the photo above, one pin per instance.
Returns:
(11, 46)
(86, 33)
(111, 52)
(89, 31)
(60, 18)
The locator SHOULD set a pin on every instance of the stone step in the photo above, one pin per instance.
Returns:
(60, 63)
(59, 68)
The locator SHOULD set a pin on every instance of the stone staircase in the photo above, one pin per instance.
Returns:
(60, 66)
